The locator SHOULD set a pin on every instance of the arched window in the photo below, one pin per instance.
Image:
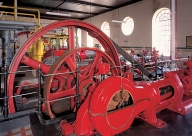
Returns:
(128, 26)
(106, 28)
(161, 32)
(79, 37)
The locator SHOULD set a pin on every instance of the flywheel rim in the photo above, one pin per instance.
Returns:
(97, 33)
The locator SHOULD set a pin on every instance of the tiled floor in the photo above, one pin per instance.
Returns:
(22, 131)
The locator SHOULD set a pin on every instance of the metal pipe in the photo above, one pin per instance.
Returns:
(21, 71)
(14, 38)
(2, 22)
(1, 92)
(8, 47)
(77, 87)
(7, 29)
(133, 68)
(173, 28)
(5, 93)
(14, 27)
(59, 73)
(1, 53)
(155, 68)
(39, 90)
(72, 96)
(15, 10)
(1, 64)
(22, 95)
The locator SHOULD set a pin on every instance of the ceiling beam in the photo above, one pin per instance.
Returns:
(45, 16)
(128, 3)
(88, 3)
(58, 6)
(49, 8)
(116, 7)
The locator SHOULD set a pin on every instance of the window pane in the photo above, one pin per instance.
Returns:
(128, 26)
(161, 34)
(106, 28)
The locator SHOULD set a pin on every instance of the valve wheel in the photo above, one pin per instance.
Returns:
(88, 73)
(71, 24)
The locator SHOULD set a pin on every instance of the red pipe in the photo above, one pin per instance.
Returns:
(34, 64)
(25, 32)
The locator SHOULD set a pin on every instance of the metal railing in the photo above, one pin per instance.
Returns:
(25, 14)
(5, 98)
(4, 72)
(21, 14)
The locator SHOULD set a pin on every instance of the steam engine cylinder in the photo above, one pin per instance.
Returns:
(87, 55)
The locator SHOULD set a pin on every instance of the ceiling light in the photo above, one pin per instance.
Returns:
(58, 14)
(117, 21)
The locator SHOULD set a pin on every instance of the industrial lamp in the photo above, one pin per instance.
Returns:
(117, 21)
(58, 14)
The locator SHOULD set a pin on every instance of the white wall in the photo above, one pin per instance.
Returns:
(184, 10)
(142, 13)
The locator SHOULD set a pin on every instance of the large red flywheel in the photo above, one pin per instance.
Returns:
(71, 24)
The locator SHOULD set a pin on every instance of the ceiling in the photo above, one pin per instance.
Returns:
(79, 9)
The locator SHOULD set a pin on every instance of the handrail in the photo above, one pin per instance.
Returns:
(21, 14)
(28, 9)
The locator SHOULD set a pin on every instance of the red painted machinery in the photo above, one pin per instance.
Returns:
(185, 76)
(63, 85)
(93, 85)
(111, 107)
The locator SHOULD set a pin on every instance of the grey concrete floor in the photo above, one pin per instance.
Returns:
(177, 125)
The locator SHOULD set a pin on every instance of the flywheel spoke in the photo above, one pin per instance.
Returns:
(61, 94)
(71, 65)
(96, 62)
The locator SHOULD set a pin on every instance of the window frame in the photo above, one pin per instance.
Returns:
(127, 27)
